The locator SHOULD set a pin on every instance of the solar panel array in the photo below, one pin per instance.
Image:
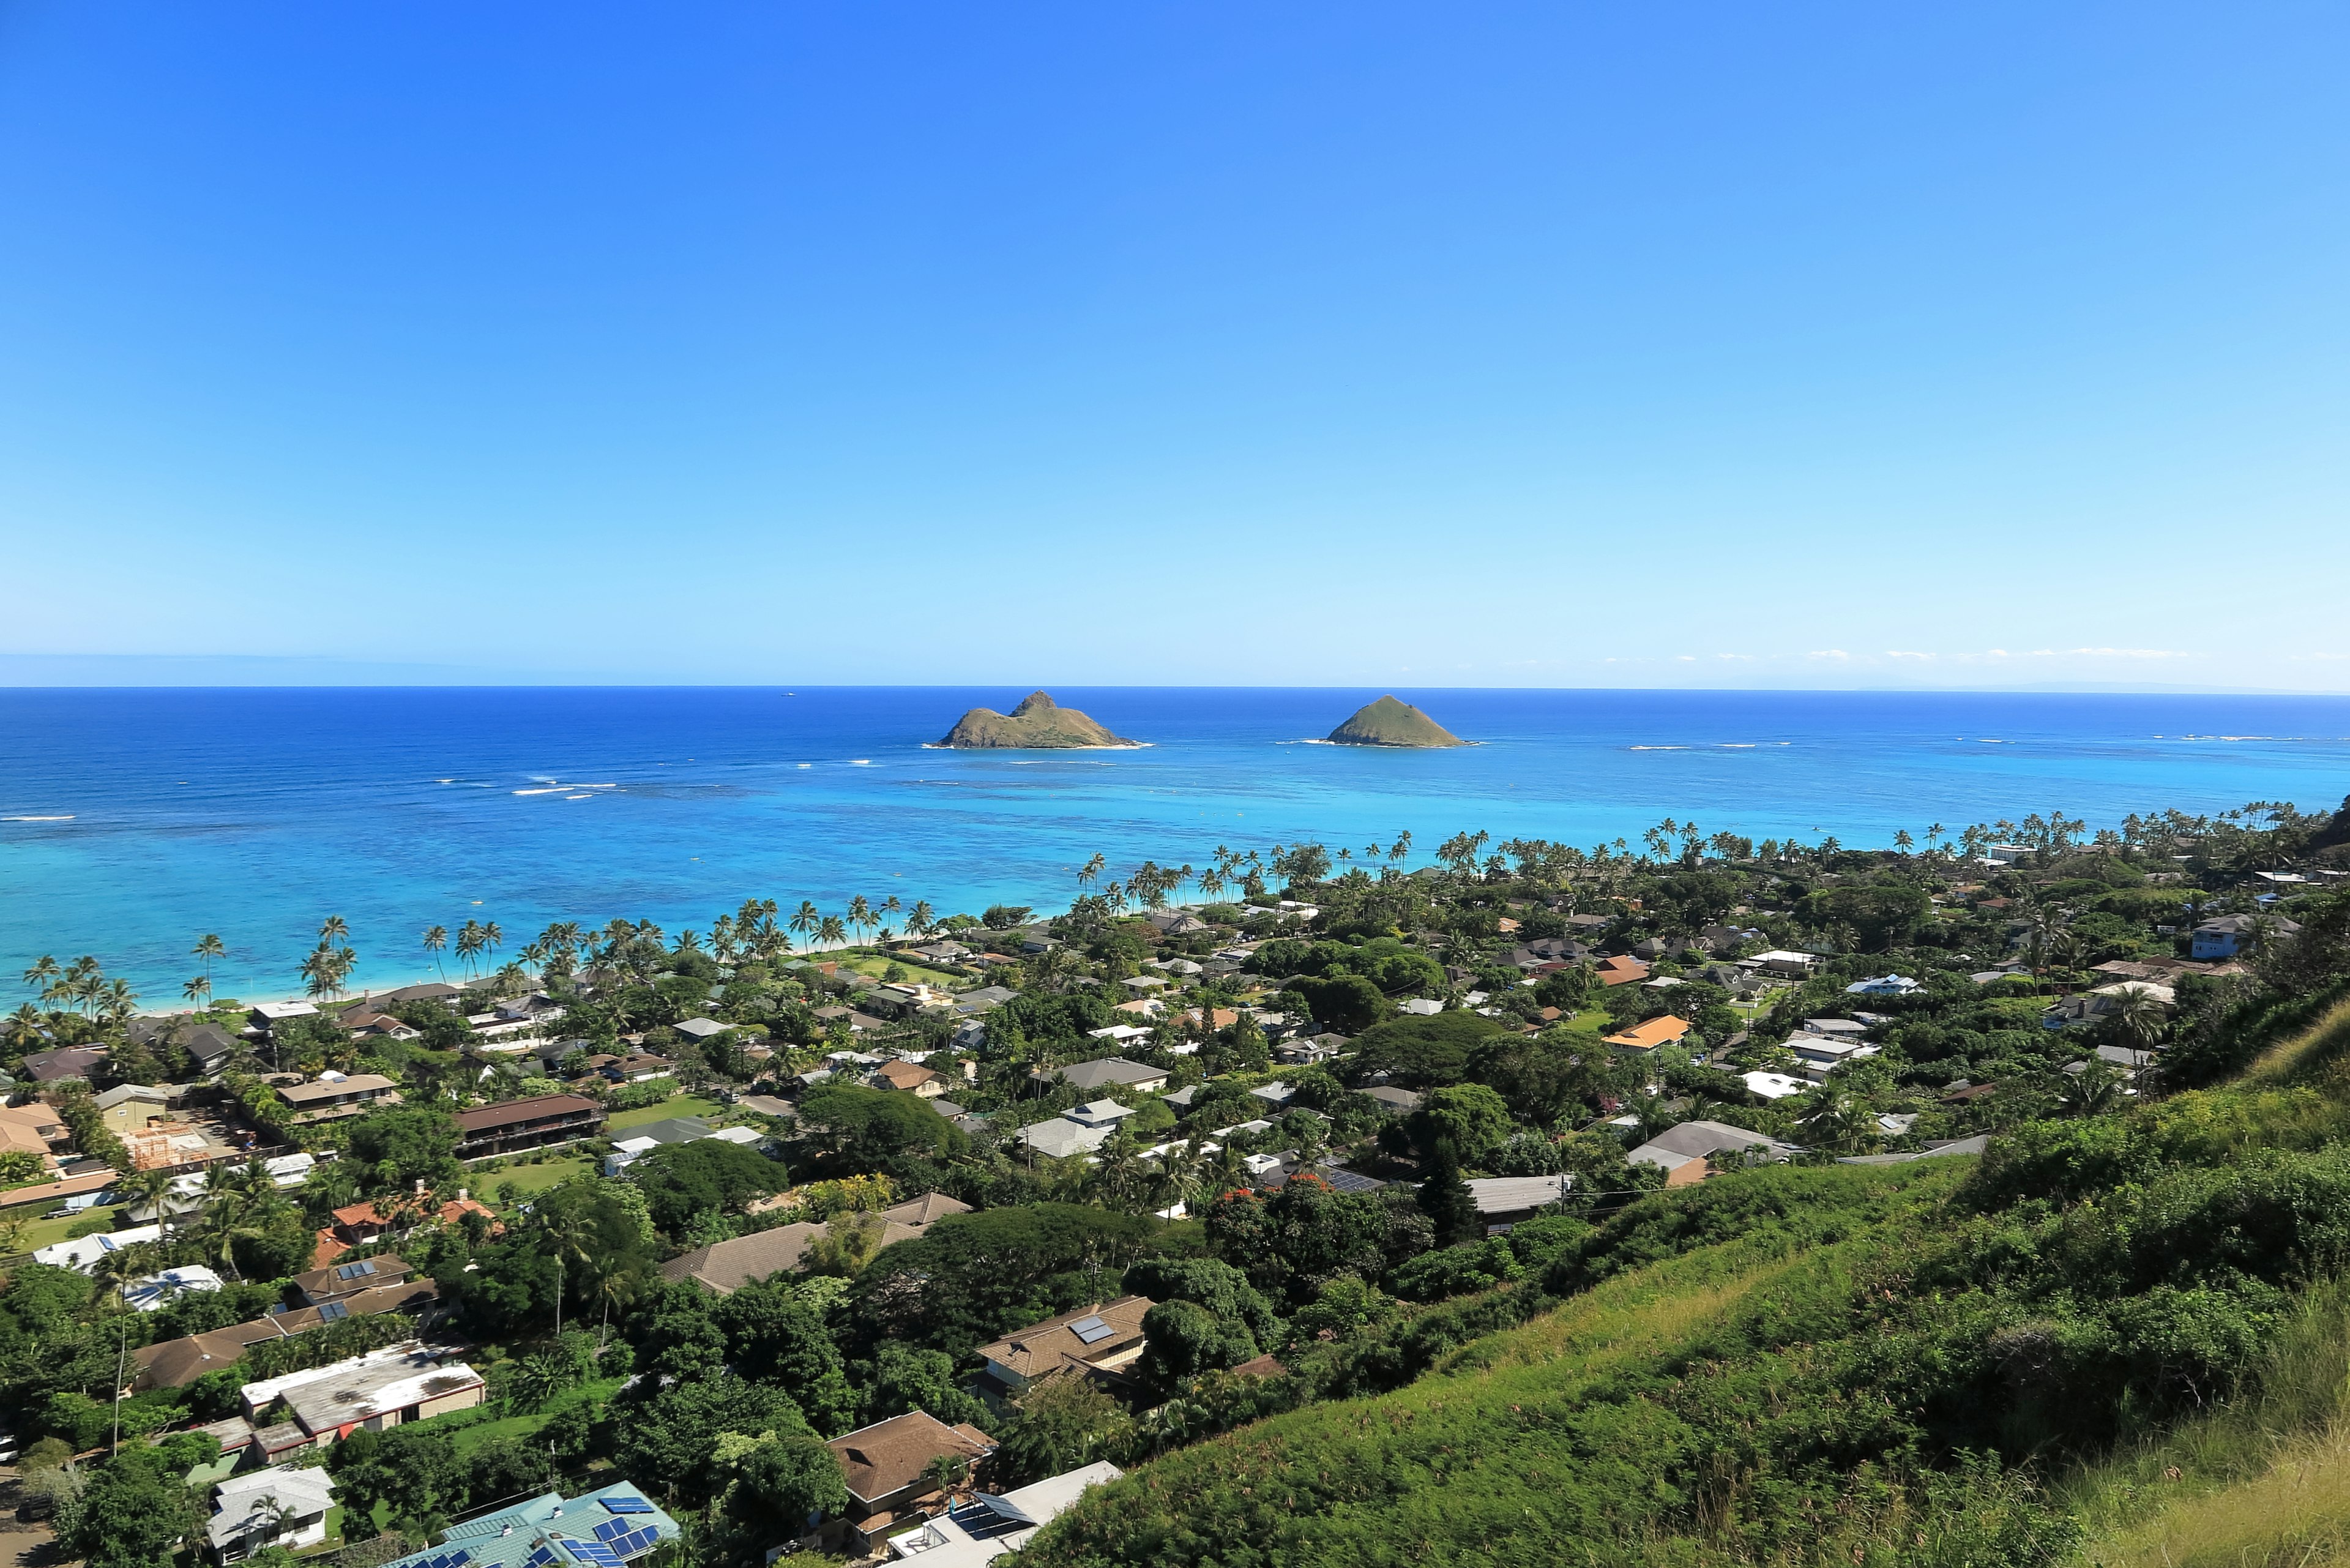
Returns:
(543, 1557)
(981, 1523)
(595, 1554)
(355, 1271)
(634, 1542)
(447, 1559)
(1091, 1330)
(333, 1310)
(628, 1505)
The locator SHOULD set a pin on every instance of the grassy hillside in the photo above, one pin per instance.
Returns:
(2115, 1340)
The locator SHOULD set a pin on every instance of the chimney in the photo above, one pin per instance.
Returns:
(461, 1195)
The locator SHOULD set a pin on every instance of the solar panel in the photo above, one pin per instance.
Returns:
(634, 1542)
(333, 1310)
(355, 1271)
(611, 1528)
(628, 1505)
(1091, 1330)
(543, 1556)
(593, 1553)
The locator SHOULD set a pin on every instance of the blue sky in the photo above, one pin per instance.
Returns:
(1554, 344)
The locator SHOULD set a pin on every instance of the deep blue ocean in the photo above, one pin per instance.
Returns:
(131, 821)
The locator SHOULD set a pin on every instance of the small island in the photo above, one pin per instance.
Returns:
(1387, 722)
(1038, 724)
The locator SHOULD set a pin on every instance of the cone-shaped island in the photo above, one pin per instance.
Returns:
(1387, 722)
(1038, 724)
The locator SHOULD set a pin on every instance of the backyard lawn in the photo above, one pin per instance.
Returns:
(675, 1106)
(530, 1180)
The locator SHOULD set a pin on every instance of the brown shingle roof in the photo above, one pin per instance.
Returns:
(885, 1458)
(727, 1267)
(538, 1108)
(176, 1363)
(1050, 1346)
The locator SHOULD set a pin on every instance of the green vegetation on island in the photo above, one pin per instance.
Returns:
(1390, 722)
(1038, 724)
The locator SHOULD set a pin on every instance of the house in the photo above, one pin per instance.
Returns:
(1421, 1007)
(265, 1017)
(1105, 1339)
(1400, 1102)
(1947, 1146)
(1886, 985)
(1817, 1056)
(1643, 1038)
(35, 1129)
(1275, 1093)
(176, 1363)
(405, 1382)
(1307, 1051)
(365, 1224)
(1080, 1130)
(284, 1505)
(2224, 937)
(156, 1291)
(340, 1282)
(2090, 1007)
(208, 1045)
(725, 1267)
(985, 1528)
(2124, 1060)
(430, 991)
(1177, 922)
(1620, 970)
(1773, 1085)
(982, 997)
(641, 1141)
(338, 1094)
(532, 1122)
(886, 1465)
(702, 1029)
(909, 1078)
(82, 1253)
(367, 1022)
(1780, 961)
(1143, 984)
(617, 1523)
(1113, 1073)
(72, 1062)
(1504, 1201)
(1686, 1152)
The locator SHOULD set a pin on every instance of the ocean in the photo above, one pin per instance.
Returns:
(132, 821)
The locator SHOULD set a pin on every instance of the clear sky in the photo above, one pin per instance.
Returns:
(1441, 345)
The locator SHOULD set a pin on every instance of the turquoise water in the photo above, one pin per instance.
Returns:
(130, 821)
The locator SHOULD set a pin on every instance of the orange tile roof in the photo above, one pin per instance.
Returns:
(1656, 1031)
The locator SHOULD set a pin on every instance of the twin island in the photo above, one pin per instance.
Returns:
(1039, 723)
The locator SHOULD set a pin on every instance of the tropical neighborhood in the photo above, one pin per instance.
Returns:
(872, 1235)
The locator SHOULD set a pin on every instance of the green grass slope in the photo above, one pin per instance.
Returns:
(2113, 1340)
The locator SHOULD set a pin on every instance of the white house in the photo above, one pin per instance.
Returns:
(81, 1254)
(1421, 1007)
(284, 1505)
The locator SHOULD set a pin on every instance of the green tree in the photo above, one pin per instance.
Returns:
(400, 1147)
(1447, 1201)
(132, 1514)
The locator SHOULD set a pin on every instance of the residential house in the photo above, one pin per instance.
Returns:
(617, 1523)
(1504, 1201)
(1886, 985)
(2224, 937)
(1620, 970)
(641, 1141)
(911, 1078)
(1817, 1056)
(1421, 1007)
(265, 1017)
(1113, 1073)
(81, 1254)
(1686, 1153)
(405, 1382)
(35, 1129)
(365, 1224)
(532, 1122)
(1786, 964)
(284, 1505)
(176, 1363)
(1400, 1102)
(55, 1066)
(982, 999)
(338, 1094)
(725, 1267)
(1773, 1085)
(988, 1526)
(2093, 1006)
(340, 1282)
(155, 1292)
(1104, 1339)
(1643, 1038)
(1080, 1130)
(887, 1468)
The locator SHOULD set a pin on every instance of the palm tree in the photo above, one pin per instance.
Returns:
(806, 921)
(2138, 1020)
(1092, 870)
(860, 914)
(1839, 1124)
(43, 974)
(24, 1028)
(435, 939)
(2093, 1091)
(921, 918)
(334, 928)
(469, 944)
(119, 1002)
(209, 947)
(197, 990)
(147, 1189)
(491, 937)
(830, 932)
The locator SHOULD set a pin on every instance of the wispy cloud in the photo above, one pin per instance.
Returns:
(1830, 653)
(1899, 653)
(2108, 653)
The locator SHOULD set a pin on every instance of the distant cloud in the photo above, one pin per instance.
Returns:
(1747, 657)
(2108, 653)
(1830, 653)
(1898, 653)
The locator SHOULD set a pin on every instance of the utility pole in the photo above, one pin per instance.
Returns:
(121, 1349)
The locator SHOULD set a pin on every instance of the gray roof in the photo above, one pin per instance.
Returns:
(1975, 1145)
(1111, 1070)
(1517, 1194)
(1702, 1139)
